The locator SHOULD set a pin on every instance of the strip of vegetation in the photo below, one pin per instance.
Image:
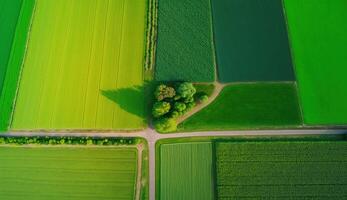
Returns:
(151, 33)
(67, 140)
(173, 100)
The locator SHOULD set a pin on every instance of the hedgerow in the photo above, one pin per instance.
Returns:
(47, 140)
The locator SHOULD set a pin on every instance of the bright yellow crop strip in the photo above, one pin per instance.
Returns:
(76, 50)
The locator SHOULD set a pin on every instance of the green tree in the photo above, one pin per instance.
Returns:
(160, 108)
(202, 98)
(179, 106)
(165, 125)
(186, 90)
(163, 91)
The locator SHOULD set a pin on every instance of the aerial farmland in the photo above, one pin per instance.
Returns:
(173, 99)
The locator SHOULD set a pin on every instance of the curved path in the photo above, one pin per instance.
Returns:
(152, 137)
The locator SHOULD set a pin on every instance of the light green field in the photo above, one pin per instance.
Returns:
(318, 35)
(84, 66)
(74, 173)
(186, 171)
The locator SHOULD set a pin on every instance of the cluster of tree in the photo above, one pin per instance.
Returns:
(172, 101)
(67, 140)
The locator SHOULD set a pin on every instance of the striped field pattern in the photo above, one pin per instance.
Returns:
(75, 173)
(281, 170)
(185, 171)
(84, 66)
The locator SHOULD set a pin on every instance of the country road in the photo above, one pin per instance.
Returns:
(152, 137)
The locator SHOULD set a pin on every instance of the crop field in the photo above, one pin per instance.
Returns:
(317, 33)
(186, 171)
(251, 41)
(15, 16)
(249, 106)
(9, 10)
(184, 48)
(35, 173)
(84, 67)
(281, 170)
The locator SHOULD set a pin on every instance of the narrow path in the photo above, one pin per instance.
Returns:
(152, 137)
(218, 88)
(139, 171)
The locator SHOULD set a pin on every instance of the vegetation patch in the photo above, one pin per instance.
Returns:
(173, 100)
(251, 41)
(15, 20)
(186, 171)
(281, 170)
(66, 140)
(84, 67)
(40, 173)
(318, 38)
(184, 48)
(249, 106)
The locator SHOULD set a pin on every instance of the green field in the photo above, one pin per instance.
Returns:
(35, 173)
(281, 170)
(319, 44)
(186, 171)
(251, 41)
(249, 106)
(15, 16)
(184, 49)
(83, 67)
(9, 13)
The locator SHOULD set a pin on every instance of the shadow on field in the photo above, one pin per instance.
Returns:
(134, 100)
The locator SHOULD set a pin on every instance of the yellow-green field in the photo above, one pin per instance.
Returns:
(84, 66)
(74, 173)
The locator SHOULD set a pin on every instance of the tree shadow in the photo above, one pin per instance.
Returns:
(135, 100)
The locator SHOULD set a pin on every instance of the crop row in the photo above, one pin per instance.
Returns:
(281, 169)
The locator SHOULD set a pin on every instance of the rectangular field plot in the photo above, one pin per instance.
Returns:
(185, 171)
(249, 106)
(281, 170)
(184, 49)
(75, 173)
(251, 41)
(318, 32)
(84, 66)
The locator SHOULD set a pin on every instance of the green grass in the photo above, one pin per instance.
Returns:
(249, 106)
(251, 41)
(281, 170)
(318, 38)
(84, 67)
(184, 48)
(67, 173)
(186, 171)
(15, 17)
(204, 88)
(9, 10)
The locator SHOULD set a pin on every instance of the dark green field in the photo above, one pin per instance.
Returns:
(249, 106)
(12, 53)
(184, 49)
(281, 170)
(251, 41)
(318, 34)
(9, 12)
